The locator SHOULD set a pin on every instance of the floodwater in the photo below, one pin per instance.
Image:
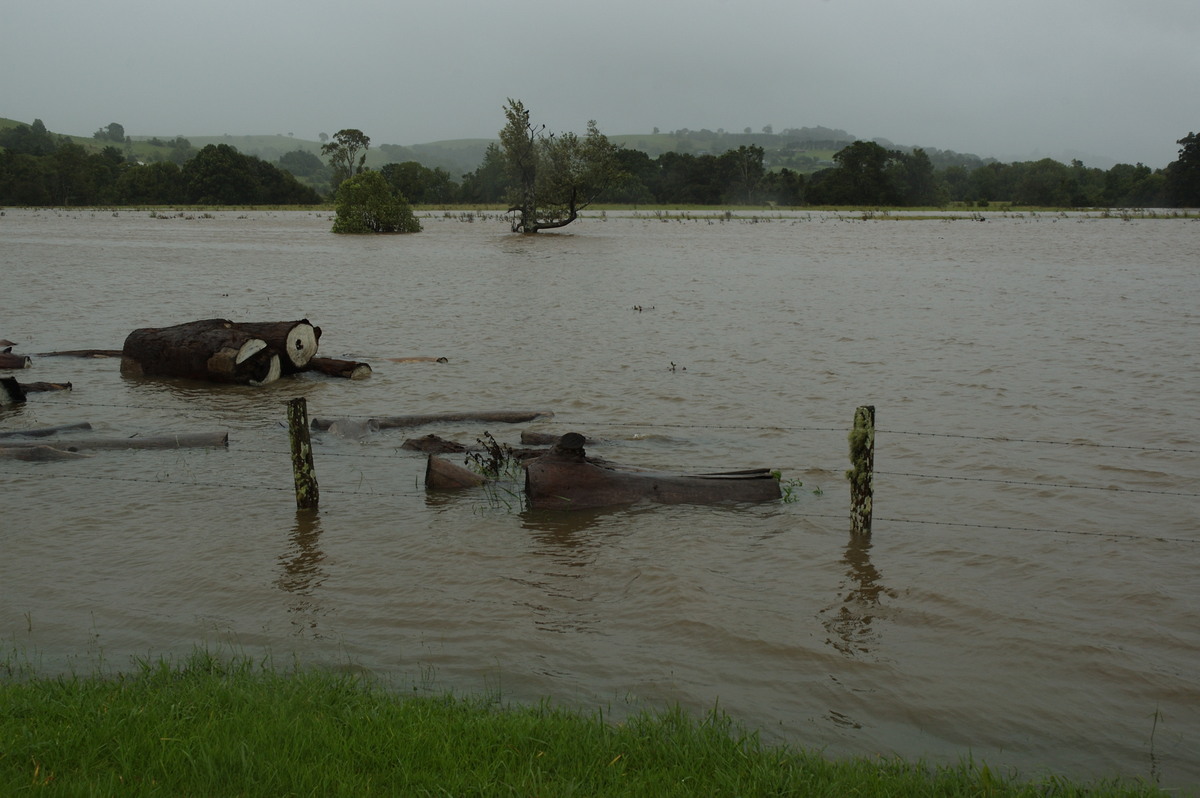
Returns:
(1029, 596)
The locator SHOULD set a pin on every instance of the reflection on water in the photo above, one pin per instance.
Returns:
(301, 573)
(851, 622)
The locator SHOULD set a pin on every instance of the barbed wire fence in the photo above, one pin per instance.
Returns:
(283, 453)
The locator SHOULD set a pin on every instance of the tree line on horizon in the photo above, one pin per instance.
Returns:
(38, 168)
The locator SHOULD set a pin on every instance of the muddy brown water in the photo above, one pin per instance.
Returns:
(1029, 597)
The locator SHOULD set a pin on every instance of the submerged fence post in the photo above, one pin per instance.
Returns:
(862, 473)
(307, 494)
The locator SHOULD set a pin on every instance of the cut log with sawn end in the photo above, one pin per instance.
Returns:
(294, 341)
(212, 349)
(10, 361)
(565, 478)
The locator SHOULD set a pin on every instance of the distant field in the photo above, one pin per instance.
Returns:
(460, 156)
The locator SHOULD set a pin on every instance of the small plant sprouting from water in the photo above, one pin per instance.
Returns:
(790, 488)
(500, 466)
(495, 460)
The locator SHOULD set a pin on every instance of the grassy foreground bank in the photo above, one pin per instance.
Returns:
(210, 727)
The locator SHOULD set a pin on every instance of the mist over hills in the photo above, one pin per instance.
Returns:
(801, 149)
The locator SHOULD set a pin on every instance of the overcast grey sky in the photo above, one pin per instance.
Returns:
(1102, 80)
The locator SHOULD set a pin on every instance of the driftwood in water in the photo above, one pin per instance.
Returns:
(42, 432)
(531, 438)
(347, 369)
(294, 341)
(35, 387)
(11, 392)
(38, 453)
(193, 440)
(417, 360)
(353, 428)
(565, 478)
(212, 349)
(92, 353)
(421, 419)
(10, 361)
(432, 444)
(441, 474)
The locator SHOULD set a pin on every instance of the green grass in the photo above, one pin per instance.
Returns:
(217, 727)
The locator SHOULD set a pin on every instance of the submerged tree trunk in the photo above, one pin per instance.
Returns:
(565, 479)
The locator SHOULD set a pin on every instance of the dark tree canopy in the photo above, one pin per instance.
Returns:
(1183, 175)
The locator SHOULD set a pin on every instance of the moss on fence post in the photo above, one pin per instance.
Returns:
(862, 473)
(307, 493)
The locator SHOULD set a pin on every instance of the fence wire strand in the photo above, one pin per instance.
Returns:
(561, 420)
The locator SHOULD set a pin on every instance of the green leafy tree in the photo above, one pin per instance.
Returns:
(552, 177)
(29, 139)
(113, 132)
(1183, 175)
(159, 183)
(219, 175)
(743, 173)
(366, 204)
(488, 183)
(418, 183)
(347, 154)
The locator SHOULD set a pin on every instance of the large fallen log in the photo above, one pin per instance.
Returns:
(10, 361)
(564, 478)
(192, 440)
(212, 349)
(421, 419)
(42, 432)
(347, 369)
(294, 341)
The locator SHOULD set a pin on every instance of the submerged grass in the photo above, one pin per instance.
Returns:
(215, 727)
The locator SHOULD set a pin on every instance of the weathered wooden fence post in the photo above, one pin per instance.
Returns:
(862, 474)
(307, 494)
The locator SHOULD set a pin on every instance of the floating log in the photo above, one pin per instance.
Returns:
(42, 432)
(441, 474)
(10, 361)
(531, 438)
(351, 428)
(418, 420)
(417, 360)
(212, 349)
(93, 353)
(294, 341)
(193, 440)
(35, 387)
(564, 478)
(347, 369)
(432, 444)
(38, 453)
(11, 392)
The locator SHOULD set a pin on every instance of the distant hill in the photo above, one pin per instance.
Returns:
(803, 150)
